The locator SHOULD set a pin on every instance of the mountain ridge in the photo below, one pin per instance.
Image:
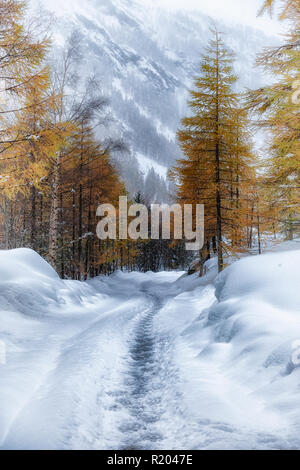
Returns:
(146, 59)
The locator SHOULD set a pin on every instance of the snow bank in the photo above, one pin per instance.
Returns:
(224, 354)
(61, 340)
(273, 278)
(21, 264)
(237, 343)
(27, 283)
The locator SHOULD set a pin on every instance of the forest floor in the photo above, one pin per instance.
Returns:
(151, 361)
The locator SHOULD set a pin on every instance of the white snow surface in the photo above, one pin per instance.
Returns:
(151, 361)
(146, 164)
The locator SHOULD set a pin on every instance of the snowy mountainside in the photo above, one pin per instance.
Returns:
(146, 58)
(151, 361)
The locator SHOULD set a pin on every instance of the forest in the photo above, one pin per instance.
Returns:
(56, 170)
(120, 337)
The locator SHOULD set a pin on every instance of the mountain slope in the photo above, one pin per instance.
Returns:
(145, 59)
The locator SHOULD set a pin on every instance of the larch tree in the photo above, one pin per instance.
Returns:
(87, 180)
(84, 108)
(278, 108)
(76, 103)
(30, 159)
(22, 54)
(27, 136)
(217, 152)
(288, 8)
(243, 178)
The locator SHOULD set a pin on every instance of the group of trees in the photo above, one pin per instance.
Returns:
(278, 108)
(54, 171)
(244, 197)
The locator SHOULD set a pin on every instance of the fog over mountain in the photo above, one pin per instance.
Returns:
(145, 59)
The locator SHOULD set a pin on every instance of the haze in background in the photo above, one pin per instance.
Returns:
(237, 11)
(146, 57)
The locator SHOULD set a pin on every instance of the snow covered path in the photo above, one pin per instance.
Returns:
(106, 386)
(141, 395)
(150, 361)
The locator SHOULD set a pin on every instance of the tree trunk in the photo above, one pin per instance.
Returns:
(54, 214)
(218, 179)
(62, 245)
(80, 232)
(251, 229)
(89, 242)
(73, 232)
(214, 245)
(219, 215)
(41, 237)
(258, 234)
(33, 219)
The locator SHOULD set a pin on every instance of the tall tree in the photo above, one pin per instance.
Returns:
(22, 53)
(278, 107)
(28, 162)
(217, 151)
(78, 104)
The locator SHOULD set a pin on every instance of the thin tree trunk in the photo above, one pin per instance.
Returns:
(258, 234)
(214, 244)
(88, 240)
(80, 230)
(73, 232)
(54, 214)
(218, 180)
(33, 219)
(41, 238)
(62, 253)
(251, 229)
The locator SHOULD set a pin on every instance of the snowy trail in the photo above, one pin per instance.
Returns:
(149, 378)
(157, 397)
(103, 387)
(151, 361)
(126, 389)
(141, 397)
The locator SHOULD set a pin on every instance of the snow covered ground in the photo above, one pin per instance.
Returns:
(156, 361)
